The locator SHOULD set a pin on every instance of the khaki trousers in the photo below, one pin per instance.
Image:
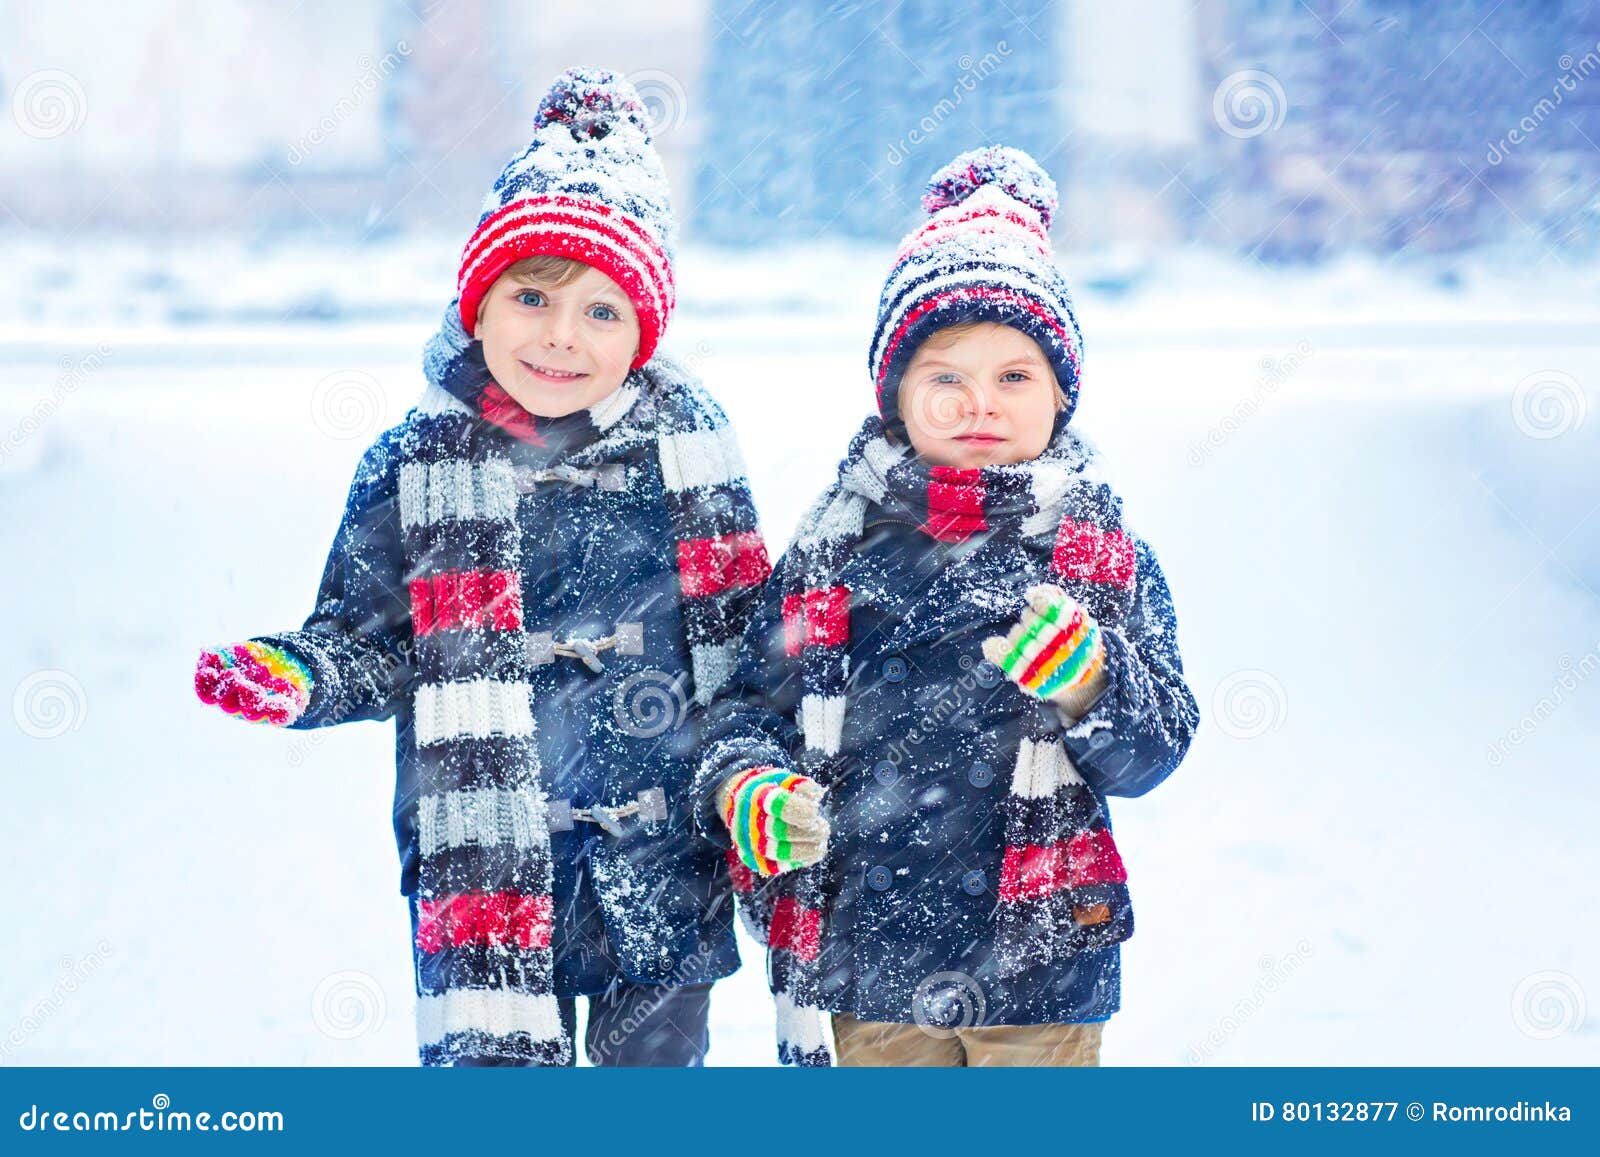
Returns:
(873, 1043)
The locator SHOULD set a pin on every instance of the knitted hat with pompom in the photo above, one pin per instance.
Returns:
(983, 254)
(589, 187)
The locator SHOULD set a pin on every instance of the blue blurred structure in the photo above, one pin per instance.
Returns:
(1284, 130)
(827, 118)
(1297, 127)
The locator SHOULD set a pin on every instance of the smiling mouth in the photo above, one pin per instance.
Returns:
(552, 375)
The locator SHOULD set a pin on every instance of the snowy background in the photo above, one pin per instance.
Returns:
(1370, 474)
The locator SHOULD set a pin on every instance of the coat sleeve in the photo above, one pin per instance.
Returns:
(751, 722)
(1136, 733)
(357, 641)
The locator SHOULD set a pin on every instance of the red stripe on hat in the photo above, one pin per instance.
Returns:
(628, 232)
(488, 600)
(709, 566)
(1085, 551)
(534, 221)
(980, 291)
(796, 928)
(490, 918)
(508, 227)
(955, 504)
(921, 239)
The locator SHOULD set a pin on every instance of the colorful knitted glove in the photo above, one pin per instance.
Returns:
(263, 683)
(1055, 651)
(775, 819)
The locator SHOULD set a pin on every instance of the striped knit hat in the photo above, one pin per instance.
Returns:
(589, 187)
(983, 254)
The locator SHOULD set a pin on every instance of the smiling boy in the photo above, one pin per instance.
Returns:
(541, 574)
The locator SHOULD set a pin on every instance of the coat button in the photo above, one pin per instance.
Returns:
(980, 775)
(894, 668)
(974, 882)
(879, 877)
(988, 675)
(886, 772)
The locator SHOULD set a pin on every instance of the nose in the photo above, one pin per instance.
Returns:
(559, 331)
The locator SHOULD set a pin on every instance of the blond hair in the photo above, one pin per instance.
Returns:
(552, 271)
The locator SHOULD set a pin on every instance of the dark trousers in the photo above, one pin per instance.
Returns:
(635, 1026)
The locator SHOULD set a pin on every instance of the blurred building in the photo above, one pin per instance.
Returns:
(1280, 128)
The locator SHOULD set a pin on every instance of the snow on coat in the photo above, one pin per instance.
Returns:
(544, 619)
(863, 668)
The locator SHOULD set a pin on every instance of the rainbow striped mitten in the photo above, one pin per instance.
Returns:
(775, 819)
(262, 683)
(1055, 651)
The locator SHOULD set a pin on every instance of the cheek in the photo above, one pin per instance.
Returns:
(492, 335)
(618, 344)
(1034, 413)
(498, 331)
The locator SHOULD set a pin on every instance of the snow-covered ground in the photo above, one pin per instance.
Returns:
(1374, 494)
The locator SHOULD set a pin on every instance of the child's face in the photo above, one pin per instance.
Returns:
(558, 350)
(984, 397)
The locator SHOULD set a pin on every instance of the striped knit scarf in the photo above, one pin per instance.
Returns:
(1062, 887)
(484, 894)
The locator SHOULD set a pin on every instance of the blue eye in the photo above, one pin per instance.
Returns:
(603, 313)
(1014, 376)
(948, 379)
(533, 293)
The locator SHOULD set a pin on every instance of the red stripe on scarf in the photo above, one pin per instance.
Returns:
(489, 600)
(794, 625)
(955, 504)
(1084, 551)
(1092, 858)
(491, 918)
(818, 618)
(504, 411)
(1087, 858)
(795, 928)
(709, 566)
(744, 880)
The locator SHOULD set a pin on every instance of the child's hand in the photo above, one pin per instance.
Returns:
(262, 683)
(775, 819)
(1055, 651)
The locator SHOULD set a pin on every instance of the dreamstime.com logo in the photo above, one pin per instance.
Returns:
(159, 1118)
